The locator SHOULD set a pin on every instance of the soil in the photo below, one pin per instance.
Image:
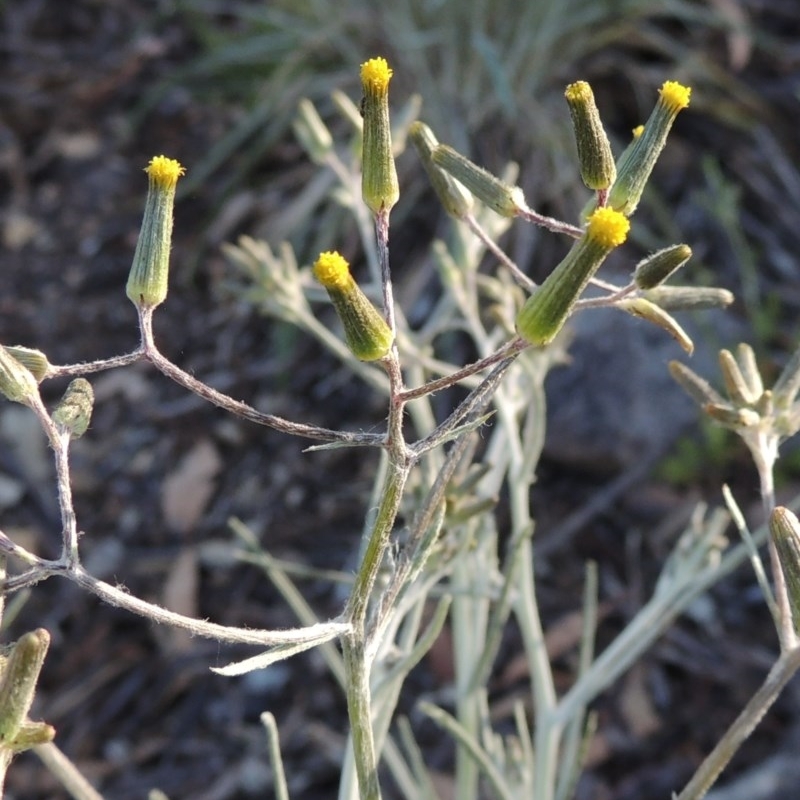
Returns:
(160, 473)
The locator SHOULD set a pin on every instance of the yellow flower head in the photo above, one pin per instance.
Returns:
(164, 172)
(375, 75)
(577, 92)
(637, 132)
(332, 270)
(675, 96)
(608, 228)
(149, 275)
(365, 330)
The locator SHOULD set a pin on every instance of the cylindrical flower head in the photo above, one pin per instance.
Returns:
(147, 282)
(656, 268)
(455, 198)
(365, 330)
(74, 412)
(379, 185)
(785, 530)
(506, 200)
(637, 163)
(546, 311)
(595, 158)
(16, 381)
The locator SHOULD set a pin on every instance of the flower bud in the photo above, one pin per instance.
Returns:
(644, 309)
(594, 150)
(18, 682)
(689, 298)
(503, 199)
(379, 185)
(785, 531)
(74, 412)
(365, 330)
(455, 198)
(738, 390)
(35, 361)
(637, 163)
(657, 268)
(17, 382)
(147, 282)
(546, 311)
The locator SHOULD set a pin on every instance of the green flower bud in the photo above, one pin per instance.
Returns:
(656, 268)
(505, 200)
(639, 307)
(548, 308)
(147, 282)
(689, 298)
(17, 382)
(74, 412)
(455, 198)
(595, 158)
(18, 682)
(638, 162)
(735, 384)
(365, 330)
(379, 185)
(35, 361)
(785, 531)
(32, 734)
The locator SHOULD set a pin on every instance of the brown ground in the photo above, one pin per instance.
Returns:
(137, 707)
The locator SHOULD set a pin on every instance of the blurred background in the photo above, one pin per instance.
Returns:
(91, 90)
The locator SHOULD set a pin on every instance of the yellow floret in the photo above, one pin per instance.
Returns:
(608, 228)
(375, 75)
(675, 96)
(332, 270)
(578, 91)
(164, 171)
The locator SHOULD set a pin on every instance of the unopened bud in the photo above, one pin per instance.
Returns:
(689, 298)
(735, 383)
(658, 267)
(503, 199)
(365, 330)
(546, 311)
(637, 164)
(379, 185)
(35, 361)
(17, 382)
(594, 150)
(18, 682)
(74, 412)
(149, 275)
(784, 528)
(639, 307)
(455, 198)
